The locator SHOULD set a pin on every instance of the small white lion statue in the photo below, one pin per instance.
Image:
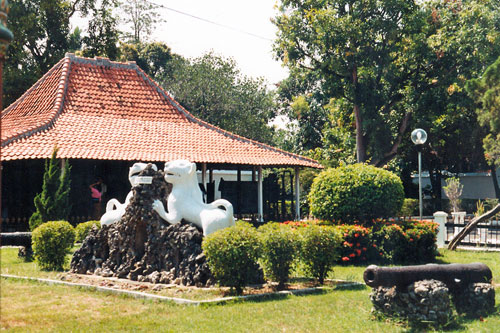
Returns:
(114, 209)
(186, 200)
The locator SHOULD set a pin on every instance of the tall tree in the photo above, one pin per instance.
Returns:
(42, 30)
(155, 58)
(486, 91)
(52, 203)
(384, 61)
(102, 32)
(142, 16)
(360, 50)
(213, 89)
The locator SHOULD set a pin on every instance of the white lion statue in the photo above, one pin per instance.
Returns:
(114, 209)
(186, 200)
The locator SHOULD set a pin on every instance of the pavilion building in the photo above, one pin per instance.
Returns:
(103, 116)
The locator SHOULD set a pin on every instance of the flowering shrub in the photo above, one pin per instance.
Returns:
(357, 246)
(295, 224)
(408, 242)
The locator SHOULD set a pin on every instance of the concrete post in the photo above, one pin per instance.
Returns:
(440, 218)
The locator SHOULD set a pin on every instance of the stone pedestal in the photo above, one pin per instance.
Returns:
(422, 301)
(431, 301)
(477, 299)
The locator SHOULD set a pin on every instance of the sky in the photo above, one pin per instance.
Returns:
(241, 30)
(192, 37)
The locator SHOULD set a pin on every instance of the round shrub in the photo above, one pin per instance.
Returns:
(279, 248)
(320, 249)
(232, 255)
(83, 229)
(357, 192)
(51, 242)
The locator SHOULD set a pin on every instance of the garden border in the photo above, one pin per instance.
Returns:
(183, 301)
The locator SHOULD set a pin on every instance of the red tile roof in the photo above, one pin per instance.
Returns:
(99, 109)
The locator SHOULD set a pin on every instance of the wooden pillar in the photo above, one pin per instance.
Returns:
(260, 197)
(297, 194)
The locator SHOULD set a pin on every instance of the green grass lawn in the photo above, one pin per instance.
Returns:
(31, 306)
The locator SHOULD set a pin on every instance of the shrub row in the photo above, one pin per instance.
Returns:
(234, 252)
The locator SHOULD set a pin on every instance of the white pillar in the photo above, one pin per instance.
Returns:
(440, 218)
(260, 198)
(297, 194)
(62, 165)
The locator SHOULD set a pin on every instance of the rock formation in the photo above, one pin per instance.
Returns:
(143, 247)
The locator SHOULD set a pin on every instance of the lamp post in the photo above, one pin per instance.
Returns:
(6, 37)
(419, 136)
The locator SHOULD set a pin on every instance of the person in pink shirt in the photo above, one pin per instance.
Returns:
(96, 195)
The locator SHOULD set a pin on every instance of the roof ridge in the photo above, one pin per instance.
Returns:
(58, 102)
(191, 117)
(101, 61)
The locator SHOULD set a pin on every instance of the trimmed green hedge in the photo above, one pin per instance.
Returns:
(355, 193)
(320, 250)
(52, 241)
(280, 246)
(232, 255)
(83, 229)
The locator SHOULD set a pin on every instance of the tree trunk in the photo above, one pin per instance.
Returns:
(465, 231)
(495, 181)
(360, 144)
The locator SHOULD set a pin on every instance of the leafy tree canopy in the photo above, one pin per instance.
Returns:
(213, 89)
(42, 37)
(141, 16)
(155, 58)
(372, 70)
(486, 90)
